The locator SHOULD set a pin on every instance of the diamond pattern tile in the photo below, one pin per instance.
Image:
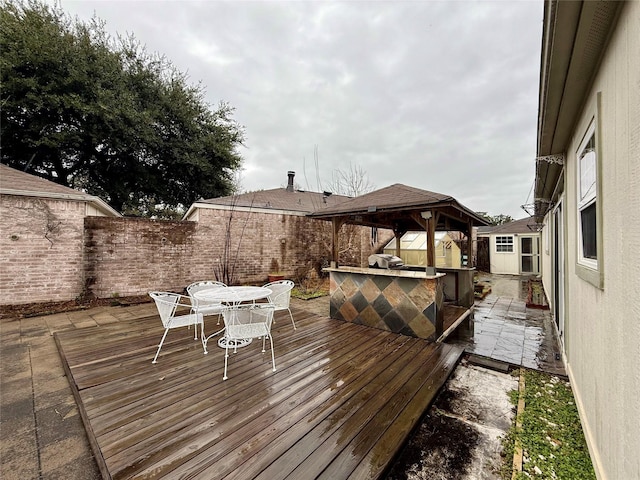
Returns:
(401, 305)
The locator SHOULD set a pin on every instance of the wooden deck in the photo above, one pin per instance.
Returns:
(341, 404)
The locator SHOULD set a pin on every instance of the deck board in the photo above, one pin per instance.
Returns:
(341, 404)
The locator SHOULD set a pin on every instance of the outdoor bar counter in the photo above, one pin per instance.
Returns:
(401, 301)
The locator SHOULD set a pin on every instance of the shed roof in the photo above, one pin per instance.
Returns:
(16, 182)
(517, 226)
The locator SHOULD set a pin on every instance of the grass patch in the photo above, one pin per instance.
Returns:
(307, 289)
(305, 294)
(551, 436)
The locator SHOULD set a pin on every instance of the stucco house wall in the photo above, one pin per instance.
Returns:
(602, 326)
(601, 316)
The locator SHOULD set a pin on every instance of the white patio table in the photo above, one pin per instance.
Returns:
(231, 296)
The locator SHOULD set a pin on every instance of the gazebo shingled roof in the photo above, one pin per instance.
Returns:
(402, 208)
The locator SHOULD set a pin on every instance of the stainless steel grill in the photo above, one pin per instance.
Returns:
(384, 260)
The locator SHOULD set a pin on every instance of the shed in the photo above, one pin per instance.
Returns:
(413, 249)
(514, 247)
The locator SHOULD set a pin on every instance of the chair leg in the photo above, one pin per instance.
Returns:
(273, 358)
(203, 338)
(166, 330)
(291, 315)
(226, 359)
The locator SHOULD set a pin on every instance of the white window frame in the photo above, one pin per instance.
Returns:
(508, 243)
(586, 194)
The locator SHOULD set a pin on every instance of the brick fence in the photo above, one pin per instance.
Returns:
(51, 253)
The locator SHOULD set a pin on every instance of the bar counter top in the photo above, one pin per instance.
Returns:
(384, 272)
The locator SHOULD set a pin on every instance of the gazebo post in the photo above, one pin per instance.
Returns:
(398, 233)
(470, 262)
(430, 227)
(336, 223)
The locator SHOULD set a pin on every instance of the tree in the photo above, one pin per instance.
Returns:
(352, 182)
(497, 219)
(107, 117)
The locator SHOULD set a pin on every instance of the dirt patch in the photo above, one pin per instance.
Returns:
(50, 308)
(460, 437)
(441, 449)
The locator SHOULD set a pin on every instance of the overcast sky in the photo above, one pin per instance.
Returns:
(438, 95)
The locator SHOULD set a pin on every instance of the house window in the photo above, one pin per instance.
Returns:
(587, 200)
(504, 244)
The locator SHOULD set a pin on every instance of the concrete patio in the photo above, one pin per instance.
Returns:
(43, 436)
(506, 330)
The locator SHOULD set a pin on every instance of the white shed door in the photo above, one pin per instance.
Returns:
(529, 255)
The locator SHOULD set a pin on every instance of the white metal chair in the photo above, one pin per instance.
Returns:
(281, 296)
(247, 321)
(168, 303)
(202, 306)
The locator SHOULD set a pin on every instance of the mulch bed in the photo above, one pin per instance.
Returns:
(49, 308)
(536, 297)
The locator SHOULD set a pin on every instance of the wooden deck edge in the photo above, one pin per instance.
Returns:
(95, 448)
(454, 325)
(455, 353)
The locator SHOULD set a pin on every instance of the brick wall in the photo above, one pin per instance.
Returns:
(104, 256)
(132, 256)
(41, 253)
(126, 256)
(260, 243)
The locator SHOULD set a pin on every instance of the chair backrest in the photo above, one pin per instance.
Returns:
(281, 292)
(203, 285)
(166, 303)
(248, 320)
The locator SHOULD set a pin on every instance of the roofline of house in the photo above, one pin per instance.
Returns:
(574, 38)
(236, 208)
(81, 197)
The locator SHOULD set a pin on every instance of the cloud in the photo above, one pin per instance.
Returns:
(436, 95)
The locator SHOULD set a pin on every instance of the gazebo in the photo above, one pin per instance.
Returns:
(404, 301)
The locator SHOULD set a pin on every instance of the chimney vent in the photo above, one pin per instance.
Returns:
(290, 174)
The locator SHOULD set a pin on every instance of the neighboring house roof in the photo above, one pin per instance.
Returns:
(16, 182)
(517, 226)
(272, 201)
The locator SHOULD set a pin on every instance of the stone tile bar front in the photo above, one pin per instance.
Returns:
(400, 301)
